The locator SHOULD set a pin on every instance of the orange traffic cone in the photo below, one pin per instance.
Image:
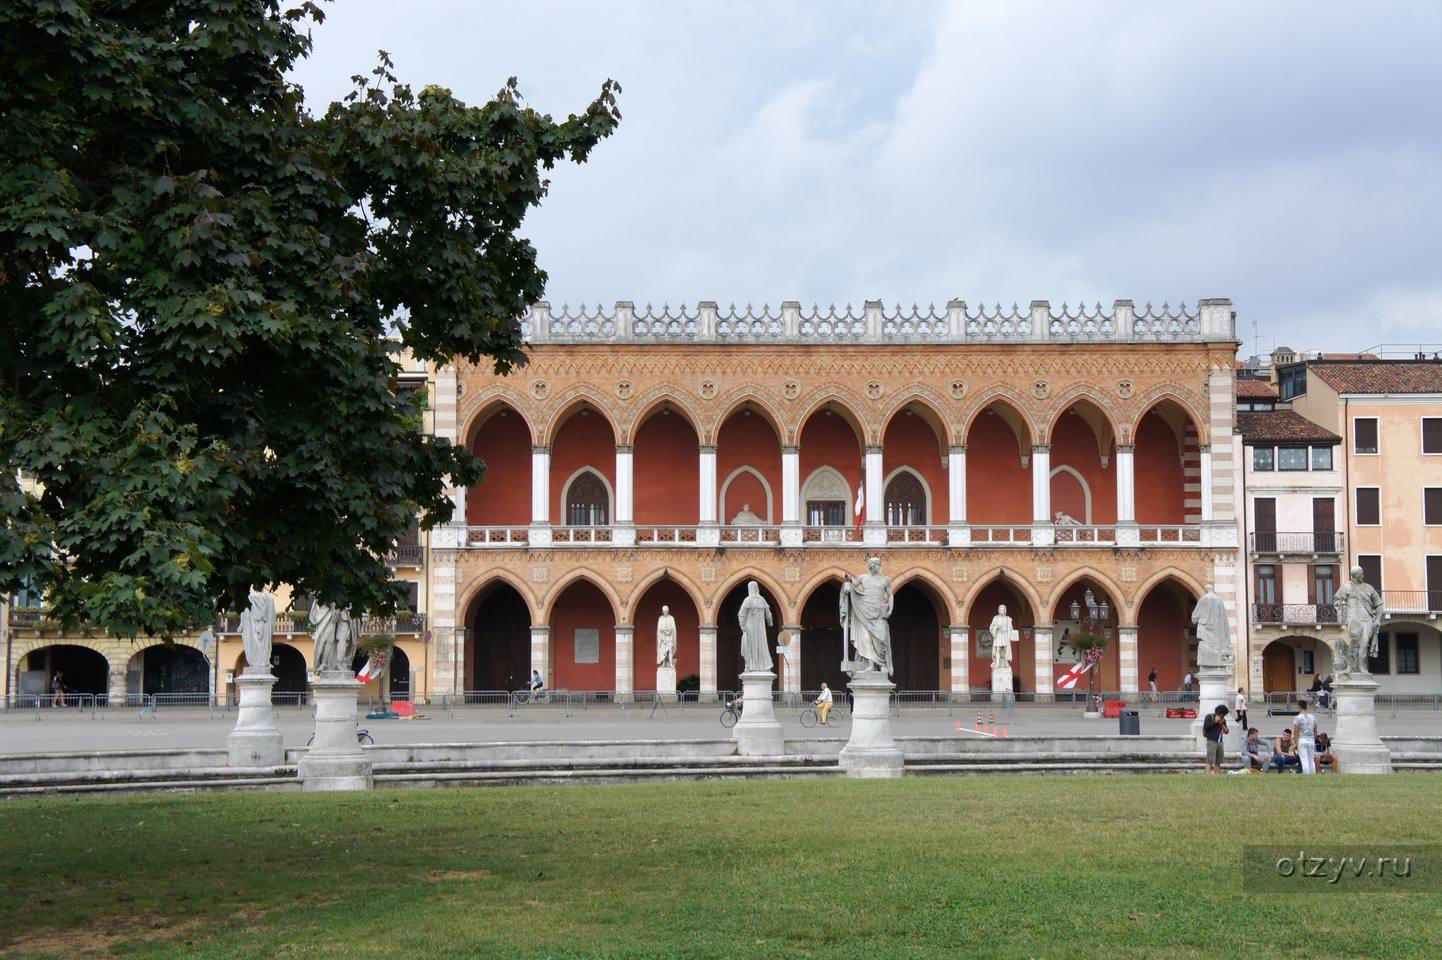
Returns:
(992, 720)
(958, 724)
(1003, 731)
(977, 728)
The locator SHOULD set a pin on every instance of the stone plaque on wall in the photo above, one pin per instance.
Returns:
(588, 645)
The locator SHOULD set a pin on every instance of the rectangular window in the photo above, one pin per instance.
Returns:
(1434, 584)
(1371, 564)
(1364, 435)
(413, 596)
(1324, 525)
(1309, 662)
(1321, 458)
(1264, 512)
(1324, 583)
(1266, 583)
(1262, 459)
(1381, 663)
(1431, 436)
(1369, 507)
(1406, 653)
(588, 645)
(826, 513)
(1292, 458)
(1432, 506)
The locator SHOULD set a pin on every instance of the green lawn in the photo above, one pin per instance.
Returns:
(1057, 867)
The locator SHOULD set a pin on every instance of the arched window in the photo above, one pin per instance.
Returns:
(587, 504)
(905, 501)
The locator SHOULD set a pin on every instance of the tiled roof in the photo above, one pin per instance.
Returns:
(1281, 425)
(1256, 388)
(1380, 376)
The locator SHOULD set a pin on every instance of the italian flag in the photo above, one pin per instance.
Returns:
(1068, 680)
(369, 672)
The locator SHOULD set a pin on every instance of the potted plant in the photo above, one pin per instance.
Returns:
(1091, 646)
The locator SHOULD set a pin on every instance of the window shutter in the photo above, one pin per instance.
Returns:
(1432, 434)
(1369, 506)
(1432, 506)
(1364, 434)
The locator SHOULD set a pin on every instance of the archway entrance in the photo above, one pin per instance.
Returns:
(287, 665)
(583, 639)
(998, 593)
(821, 652)
(165, 670)
(1279, 668)
(400, 674)
(728, 636)
(499, 657)
(673, 596)
(1088, 596)
(1162, 642)
(915, 640)
(82, 670)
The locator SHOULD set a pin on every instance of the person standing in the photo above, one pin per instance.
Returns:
(1214, 728)
(57, 689)
(1304, 735)
(1187, 686)
(1242, 708)
(1152, 683)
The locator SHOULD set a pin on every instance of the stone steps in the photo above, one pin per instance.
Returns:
(197, 780)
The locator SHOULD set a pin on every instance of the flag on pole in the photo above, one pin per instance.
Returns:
(860, 502)
(1068, 680)
(368, 672)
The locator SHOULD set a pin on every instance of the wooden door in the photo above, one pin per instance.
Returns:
(1279, 668)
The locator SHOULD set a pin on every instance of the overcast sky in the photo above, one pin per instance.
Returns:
(1285, 155)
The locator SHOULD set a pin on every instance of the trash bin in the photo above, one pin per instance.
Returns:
(1131, 723)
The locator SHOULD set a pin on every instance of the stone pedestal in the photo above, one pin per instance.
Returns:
(1214, 689)
(758, 732)
(1001, 683)
(335, 761)
(1356, 744)
(871, 752)
(666, 684)
(255, 742)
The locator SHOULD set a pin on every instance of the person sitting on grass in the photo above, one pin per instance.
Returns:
(1254, 753)
(1284, 753)
(824, 703)
(1214, 728)
(1325, 757)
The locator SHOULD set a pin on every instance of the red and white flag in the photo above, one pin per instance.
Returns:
(860, 502)
(1068, 680)
(368, 672)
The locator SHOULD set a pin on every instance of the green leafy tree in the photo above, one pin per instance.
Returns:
(202, 286)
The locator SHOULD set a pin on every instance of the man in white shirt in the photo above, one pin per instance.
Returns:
(1304, 734)
(823, 703)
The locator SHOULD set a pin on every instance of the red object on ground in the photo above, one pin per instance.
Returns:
(1113, 708)
(403, 708)
(1173, 713)
(1189, 714)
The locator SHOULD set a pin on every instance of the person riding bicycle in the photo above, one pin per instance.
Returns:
(537, 684)
(823, 703)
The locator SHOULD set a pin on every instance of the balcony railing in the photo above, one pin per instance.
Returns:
(408, 556)
(817, 535)
(504, 536)
(1294, 613)
(288, 624)
(744, 534)
(937, 536)
(1325, 542)
(1412, 601)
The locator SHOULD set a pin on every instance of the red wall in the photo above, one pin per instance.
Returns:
(582, 605)
(585, 440)
(1161, 642)
(666, 466)
(983, 608)
(1073, 444)
(998, 490)
(748, 441)
(504, 497)
(1159, 483)
(688, 633)
(910, 442)
(827, 440)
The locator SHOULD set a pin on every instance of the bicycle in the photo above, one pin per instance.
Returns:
(730, 715)
(540, 696)
(810, 717)
(362, 737)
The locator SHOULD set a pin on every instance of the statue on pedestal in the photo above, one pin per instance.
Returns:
(1214, 632)
(257, 627)
(866, 603)
(1003, 634)
(666, 639)
(755, 617)
(1363, 621)
(335, 632)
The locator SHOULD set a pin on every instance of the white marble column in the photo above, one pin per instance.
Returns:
(1043, 529)
(708, 658)
(1206, 482)
(1126, 484)
(1128, 677)
(708, 504)
(791, 682)
(625, 661)
(958, 534)
(623, 532)
(960, 658)
(540, 533)
(541, 653)
(875, 494)
(791, 496)
(1045, 657)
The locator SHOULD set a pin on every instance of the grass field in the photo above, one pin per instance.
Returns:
(1080, 867)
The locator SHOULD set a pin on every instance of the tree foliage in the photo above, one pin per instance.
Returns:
(198, 277)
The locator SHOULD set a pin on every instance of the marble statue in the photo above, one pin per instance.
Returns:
(666, 639)
(335, 633)
(755, 617)
(866, 603)
(1363, 620)
(1064, 519)
(257, 627)
(1214, 632)
(745, 518)
(1003, 635)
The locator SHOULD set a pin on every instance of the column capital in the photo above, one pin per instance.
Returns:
(708, 627)
(1204, 448)
(708, 448)
(874, 448)
(957, 449)
(540, 630)
(544, 449)
(624, 448)
(628, 628)
(790, 449)
(1041, 448)
(1126, 447)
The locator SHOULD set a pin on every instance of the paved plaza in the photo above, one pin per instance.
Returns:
(124, 729)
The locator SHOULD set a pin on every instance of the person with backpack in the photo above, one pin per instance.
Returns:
(1214, 728)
